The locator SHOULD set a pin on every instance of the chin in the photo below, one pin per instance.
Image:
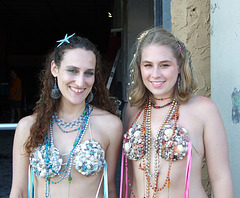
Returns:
(77, 102)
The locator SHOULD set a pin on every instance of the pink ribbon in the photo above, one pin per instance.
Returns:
(188, 170)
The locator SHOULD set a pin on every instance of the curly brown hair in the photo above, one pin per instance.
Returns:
(46, 105)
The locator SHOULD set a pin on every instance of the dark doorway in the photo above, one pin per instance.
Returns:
(28, 29)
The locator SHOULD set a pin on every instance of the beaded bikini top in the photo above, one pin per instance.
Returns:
(87, 157)
(172, 141)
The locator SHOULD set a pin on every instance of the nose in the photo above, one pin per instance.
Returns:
(80, 81)
(156, 72)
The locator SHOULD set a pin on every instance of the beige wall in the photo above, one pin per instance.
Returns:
(191, 24)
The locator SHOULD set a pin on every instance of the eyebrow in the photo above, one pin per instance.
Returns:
(70, 66)
(164, 61)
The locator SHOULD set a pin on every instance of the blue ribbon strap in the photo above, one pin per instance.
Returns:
(105, 177)
(30, 182)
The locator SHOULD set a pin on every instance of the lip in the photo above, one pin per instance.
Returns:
(77, 90)
(157, 84)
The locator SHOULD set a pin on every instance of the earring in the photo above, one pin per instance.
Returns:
(89, 97)
(179, 82)
(55, 91)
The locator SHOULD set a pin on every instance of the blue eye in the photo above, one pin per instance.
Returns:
(164, 65)
(147, 65)
(89, 73)
(72, 70)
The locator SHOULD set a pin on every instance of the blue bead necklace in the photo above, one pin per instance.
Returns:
(82, 123)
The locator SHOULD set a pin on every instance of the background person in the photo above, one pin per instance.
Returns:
(15, 95)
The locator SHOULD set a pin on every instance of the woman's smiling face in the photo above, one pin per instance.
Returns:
(75, 75)
(159, 70)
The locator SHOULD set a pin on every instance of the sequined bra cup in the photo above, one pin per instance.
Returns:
(177, 142)
(88, 159)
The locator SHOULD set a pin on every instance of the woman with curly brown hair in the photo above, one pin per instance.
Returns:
(169, 130)
(69, 146)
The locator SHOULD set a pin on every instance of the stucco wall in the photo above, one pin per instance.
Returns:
(191, 24)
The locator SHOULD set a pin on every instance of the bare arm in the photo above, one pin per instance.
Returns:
(115, 136)
(216, 151)
(130, 115)
(20, 161)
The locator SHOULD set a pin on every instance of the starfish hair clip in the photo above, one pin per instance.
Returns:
(65, 39)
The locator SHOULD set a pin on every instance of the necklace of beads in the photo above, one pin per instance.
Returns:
(66, 172)
(161, 98)
(160, 107)
(172, 114)
(61, 124)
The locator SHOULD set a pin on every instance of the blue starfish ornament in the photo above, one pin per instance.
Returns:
(65, 39)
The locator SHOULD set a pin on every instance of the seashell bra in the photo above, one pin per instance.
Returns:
(134, 142)
(88, 159)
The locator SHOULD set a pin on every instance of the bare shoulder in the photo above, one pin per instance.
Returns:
(27, 121)
(22, 133)
(202, 107)
(202, 103)
(130, 115)
(105, 116)
(24, 125)
(131, 112)
(106, 121)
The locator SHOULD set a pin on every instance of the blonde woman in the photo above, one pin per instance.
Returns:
(168, 129)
